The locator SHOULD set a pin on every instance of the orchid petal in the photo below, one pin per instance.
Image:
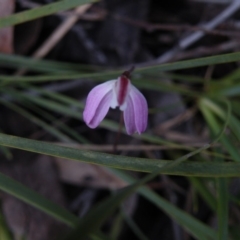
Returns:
(129, 117)
(98, 103)
(114, 102)
(140, 109)
(117, 93)
(101, 111)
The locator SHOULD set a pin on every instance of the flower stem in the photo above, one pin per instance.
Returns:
(118, 133)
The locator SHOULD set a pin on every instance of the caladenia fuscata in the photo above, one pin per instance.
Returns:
(117, 93)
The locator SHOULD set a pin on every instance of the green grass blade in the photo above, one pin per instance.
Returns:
(6, 152)
(24, 99)
(204, 192)
(92, 221)
(213, 60)
(38, 12)
(59, 135)
(215, 127)
(231, 77)
(199, 62)
(55, 96)
(234, 123)
(57, 122)
(116, 227)
(99, 236)
(180, 77)
(201, 169)
(133, 226)
(226, 91)
(5, 233)
(222, 188)
(27, 195)
(192, 225)
(157, 85)
(45, 66)
(222, 208)
(75, 136)
(95, 217)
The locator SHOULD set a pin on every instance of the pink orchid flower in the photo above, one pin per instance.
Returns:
(117, 93)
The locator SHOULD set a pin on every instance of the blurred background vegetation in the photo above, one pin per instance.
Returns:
(60, 179)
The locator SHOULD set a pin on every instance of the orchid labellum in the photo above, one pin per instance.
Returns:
(117, 93)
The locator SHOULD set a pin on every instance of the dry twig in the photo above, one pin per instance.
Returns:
(57, 35)
(192, 38)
